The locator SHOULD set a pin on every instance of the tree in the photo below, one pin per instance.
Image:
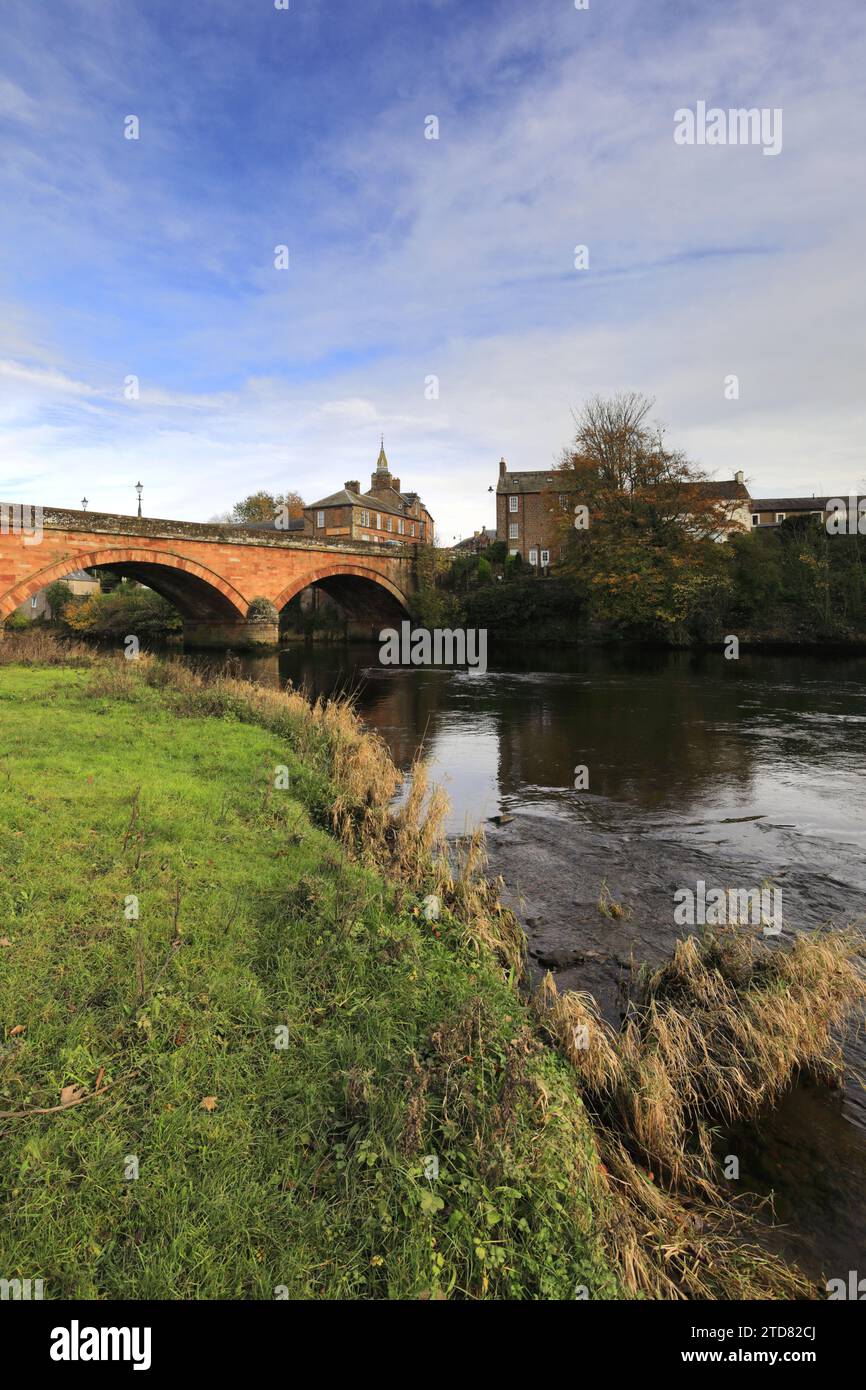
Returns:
(647, 562)
(266, 506)
(130, 608)
(57, 596)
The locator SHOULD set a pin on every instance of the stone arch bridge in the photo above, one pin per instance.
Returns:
(211, 573)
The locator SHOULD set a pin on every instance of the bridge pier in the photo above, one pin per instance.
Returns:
(221, 632)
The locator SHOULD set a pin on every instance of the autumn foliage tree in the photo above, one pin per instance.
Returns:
(640, 525)
(265, 506)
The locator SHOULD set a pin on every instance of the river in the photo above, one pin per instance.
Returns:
(737, 773)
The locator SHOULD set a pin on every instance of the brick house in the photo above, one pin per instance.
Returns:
(529, 505)
(383, 515)
(527, 508)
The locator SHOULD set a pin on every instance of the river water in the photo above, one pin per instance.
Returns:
(738, 773)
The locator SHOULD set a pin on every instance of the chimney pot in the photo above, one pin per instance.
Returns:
(352, 485)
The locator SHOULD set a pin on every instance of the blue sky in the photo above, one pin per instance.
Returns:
(411, 258)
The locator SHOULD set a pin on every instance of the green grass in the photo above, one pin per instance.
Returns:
(308, 1175)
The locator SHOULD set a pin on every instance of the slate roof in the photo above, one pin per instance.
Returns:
(727, 491)
(390, 502)
(791, 504)
(532, 482)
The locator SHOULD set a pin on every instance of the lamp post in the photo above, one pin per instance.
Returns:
(139, 489)
(84, 504)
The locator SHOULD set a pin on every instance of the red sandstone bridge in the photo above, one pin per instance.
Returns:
(211, 573)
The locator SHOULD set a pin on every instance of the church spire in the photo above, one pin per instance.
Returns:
(382, 462)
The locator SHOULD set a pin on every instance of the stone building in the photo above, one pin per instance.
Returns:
(81, 584)
(384, 515)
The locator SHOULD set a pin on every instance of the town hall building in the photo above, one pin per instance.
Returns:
(384, 514)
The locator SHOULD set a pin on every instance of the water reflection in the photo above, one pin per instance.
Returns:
(698, 767)
(677, 738)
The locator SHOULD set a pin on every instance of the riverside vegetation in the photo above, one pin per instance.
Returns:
(325, 1089)
(649, 564)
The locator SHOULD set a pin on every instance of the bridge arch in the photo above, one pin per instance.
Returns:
(346, 581)
(196, 591)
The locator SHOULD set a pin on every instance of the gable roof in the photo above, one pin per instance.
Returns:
(726, 491)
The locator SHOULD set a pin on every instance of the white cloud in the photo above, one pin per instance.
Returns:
(454, 258)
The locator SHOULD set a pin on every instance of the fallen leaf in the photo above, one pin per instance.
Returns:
(4, 941)
(69, 1094)
(209, 1103)
(17, 1030)
(99, 1076)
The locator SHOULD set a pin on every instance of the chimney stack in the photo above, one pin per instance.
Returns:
(739, 477)
(352, 485)
(503, 469)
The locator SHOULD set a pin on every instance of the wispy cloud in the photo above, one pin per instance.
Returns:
(412, 258)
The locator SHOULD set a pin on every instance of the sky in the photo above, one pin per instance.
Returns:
(431, 292)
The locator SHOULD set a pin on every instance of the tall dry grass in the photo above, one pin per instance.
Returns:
(713, 1036)
(42, 648)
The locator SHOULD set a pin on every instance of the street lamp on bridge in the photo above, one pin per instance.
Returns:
(139, 489)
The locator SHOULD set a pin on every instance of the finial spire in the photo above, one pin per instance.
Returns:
(382, 462)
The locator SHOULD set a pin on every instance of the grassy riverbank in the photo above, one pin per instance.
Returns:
(325, 1095)
(308, 1170)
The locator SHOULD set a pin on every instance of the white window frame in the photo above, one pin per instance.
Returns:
(756, 518)
(513, 530)
(401, 529)
(390, 524)
(514, 552)
(780, 516)
(320, 521)
(514, 504)
(545, 558)
(378, 521)
(533, 556)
